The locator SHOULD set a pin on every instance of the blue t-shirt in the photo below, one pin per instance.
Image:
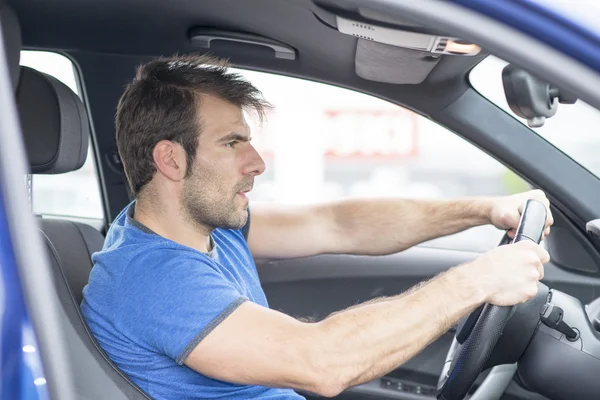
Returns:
(150, 301)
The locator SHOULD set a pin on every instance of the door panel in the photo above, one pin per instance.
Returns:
(315, 287)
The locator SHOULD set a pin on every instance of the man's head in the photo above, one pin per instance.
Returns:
(183, 139)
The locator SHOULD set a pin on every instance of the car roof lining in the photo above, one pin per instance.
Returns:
(155, 27)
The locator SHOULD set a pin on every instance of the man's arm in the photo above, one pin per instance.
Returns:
(375, 226)
(258, 346)
(372, 227)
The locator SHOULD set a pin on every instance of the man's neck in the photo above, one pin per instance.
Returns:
(169, 223)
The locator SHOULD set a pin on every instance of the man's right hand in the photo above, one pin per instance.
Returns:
(509, 274)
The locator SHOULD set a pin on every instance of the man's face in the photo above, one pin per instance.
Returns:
(213, 195)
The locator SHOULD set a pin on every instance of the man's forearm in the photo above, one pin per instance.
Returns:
(386, 226)
(369, 340)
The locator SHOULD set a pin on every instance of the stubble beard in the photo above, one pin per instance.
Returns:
(208, 205)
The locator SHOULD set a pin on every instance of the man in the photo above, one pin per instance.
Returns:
(174, 297)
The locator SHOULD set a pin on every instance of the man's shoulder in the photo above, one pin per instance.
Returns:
(153, 271)
(128, 252)
(158, 256)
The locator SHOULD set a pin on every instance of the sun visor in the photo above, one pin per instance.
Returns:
(433, 44)
(398, 55)
(390, 64)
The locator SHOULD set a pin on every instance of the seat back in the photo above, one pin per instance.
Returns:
(75, 243)
(56, 130)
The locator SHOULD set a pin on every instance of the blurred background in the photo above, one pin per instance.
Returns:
(322, 143)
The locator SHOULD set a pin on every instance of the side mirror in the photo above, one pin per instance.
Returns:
(530, 97)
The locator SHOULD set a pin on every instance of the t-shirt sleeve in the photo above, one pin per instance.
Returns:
(169, 303)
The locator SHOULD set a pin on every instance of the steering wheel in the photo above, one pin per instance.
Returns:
(478, 334)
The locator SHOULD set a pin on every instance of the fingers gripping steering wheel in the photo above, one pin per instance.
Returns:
(479, 332)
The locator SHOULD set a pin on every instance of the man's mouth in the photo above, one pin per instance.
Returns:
(243, 192)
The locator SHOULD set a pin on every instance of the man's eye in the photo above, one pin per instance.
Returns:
(231, 144)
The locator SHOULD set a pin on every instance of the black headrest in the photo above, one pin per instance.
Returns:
(54, 122)
(11, 35)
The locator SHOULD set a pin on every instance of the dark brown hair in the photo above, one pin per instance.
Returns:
(163, 103)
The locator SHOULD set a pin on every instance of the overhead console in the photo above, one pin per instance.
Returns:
(390, 50)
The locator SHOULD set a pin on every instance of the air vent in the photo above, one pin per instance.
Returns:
(362, 31)
(363, 26)
(363, 37)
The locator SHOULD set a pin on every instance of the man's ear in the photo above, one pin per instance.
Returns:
(170, 160)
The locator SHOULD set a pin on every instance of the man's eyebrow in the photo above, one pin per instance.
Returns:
(233, 136)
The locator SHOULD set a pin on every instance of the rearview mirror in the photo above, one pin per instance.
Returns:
(531, 98)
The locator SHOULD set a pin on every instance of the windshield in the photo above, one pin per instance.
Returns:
(574, 129)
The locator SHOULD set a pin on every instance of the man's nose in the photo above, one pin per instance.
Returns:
(254, 163)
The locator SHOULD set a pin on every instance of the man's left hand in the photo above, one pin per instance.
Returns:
(506, 211)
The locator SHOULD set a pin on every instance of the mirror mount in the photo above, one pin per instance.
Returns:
(531, 98)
